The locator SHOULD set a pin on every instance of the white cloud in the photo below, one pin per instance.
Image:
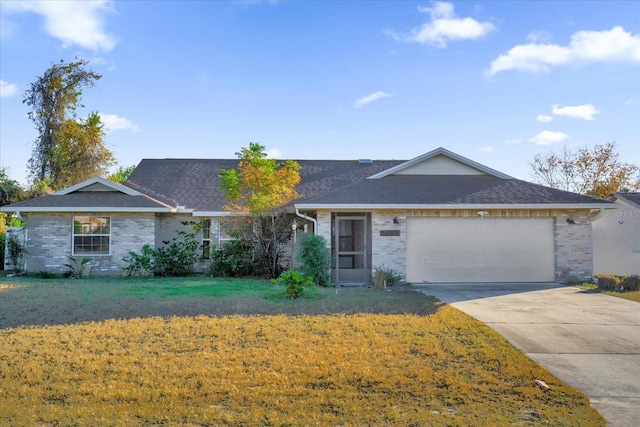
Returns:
(615, 45)
(548, 137)
(514, 141)
(630, 101)
(113, 122)
(7, 89)
(543, 118)
(79, 23)
(370, 98)
(585, 111)
(274, 153)
(539, 37)
(486, 149)
(445, 27)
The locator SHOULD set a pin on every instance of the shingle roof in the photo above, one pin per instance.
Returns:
(630, 197)
(194, 183)
(447, 189)
(89, 199)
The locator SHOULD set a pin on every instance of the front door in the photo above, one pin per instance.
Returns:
(350, 249)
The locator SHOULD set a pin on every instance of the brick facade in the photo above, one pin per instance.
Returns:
(50, 234)
(572, 241)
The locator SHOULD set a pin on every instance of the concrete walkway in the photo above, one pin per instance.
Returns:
(588, 340)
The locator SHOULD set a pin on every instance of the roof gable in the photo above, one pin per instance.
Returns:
(98, 184)
(632, 199)
(440, 162)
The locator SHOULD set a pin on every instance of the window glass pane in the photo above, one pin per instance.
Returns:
(91, 235)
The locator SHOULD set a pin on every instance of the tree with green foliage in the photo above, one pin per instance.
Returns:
(10, 190)
(122, 173)
(260, 188)
(68, 149)
(597, 172)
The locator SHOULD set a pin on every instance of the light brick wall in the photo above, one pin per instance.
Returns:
(389, 251)
(573, 243)
(574, 252)
(49, 241)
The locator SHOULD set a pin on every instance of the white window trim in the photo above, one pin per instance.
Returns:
(73, 235)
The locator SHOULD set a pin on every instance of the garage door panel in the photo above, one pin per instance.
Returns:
(480, 249)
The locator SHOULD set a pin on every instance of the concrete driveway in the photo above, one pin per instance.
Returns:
(588, 340)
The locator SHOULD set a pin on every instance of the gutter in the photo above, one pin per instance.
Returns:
(308, 218)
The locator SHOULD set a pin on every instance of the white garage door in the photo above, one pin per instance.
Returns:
(480, 250)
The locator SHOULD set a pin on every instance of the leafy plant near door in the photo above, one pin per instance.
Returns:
(315, 257)
(385, 276)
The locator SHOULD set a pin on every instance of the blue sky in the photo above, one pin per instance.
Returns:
(495, 81)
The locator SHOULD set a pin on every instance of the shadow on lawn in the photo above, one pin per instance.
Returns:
(31, 302)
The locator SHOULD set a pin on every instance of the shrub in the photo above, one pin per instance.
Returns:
(45, 275)
(385, 276)
(631, 283)
(16, 251)
(607, 282)
(141, 264)
(315, 257)
(75, 270)
(234, 259)
(295, 282)
(176, 258)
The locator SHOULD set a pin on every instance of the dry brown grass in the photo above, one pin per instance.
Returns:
(369, 369)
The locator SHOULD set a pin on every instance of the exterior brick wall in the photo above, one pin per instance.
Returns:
(574, 252)
(573, 243)
(389, 250)
(49, 241)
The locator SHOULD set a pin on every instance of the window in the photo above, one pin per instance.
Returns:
(91, 235)
(206, 239)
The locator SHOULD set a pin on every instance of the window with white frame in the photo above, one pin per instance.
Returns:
(91, 235)
(206, 239)
(228, 228)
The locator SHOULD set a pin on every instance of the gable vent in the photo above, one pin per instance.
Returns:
(365, 161)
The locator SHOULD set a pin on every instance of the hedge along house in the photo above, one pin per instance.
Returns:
(439, 217)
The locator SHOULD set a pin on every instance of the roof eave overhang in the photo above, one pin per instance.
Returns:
(315, 206)
(85, 209)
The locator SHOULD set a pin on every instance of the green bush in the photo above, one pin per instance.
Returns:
(607, 282)
(3, 238)
(176, 258)
(631, 283)
(75, 269)
(234, 259)
(45, 275)
(140, 264)
(295, 283)
(315, 257)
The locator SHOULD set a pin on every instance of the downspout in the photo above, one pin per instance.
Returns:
(308, 218)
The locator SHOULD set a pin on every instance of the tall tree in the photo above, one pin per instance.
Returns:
(259, 188)
(67, 148)
(597, 172)
(122, 173)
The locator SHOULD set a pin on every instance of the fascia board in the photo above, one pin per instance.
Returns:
(213, 213)
(460, 206)
(86, 209)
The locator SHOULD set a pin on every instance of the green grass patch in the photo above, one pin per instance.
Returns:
(629, 295)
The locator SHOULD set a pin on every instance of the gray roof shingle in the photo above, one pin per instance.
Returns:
(448, 189)
(89, 199)
(194, 183)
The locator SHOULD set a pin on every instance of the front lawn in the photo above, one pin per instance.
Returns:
(359, 357)
(630, 295)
